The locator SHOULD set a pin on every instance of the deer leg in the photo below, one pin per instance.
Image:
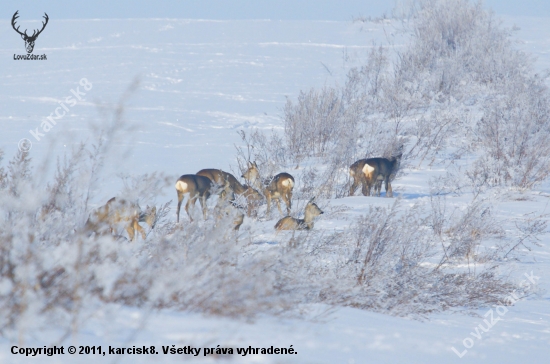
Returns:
(138, 227)
(180, 199)
(130, 231)
(366, 188)
(278, 200)
(354, 186)
(288, 202)
(190, 202)
(268, 198)
(389, 191)
(254, 206)
(248, 208)
(203, 205)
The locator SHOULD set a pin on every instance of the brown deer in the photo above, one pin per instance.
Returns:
(277, 188)
(290, 223)
(117, 211)
(230, 183)
(197, 187)
(371, 172)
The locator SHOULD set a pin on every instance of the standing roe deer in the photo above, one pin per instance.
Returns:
(290, 223)
(197, 187)
(277, 188)
(373, 171)
(121, 211)
(230, 182)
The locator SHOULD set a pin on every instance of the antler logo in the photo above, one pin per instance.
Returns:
(29, 40)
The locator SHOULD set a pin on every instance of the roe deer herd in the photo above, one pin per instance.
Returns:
(368, 173)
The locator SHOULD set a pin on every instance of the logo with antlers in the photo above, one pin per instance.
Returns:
(29, 40)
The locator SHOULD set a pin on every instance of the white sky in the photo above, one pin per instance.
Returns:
(234, 9)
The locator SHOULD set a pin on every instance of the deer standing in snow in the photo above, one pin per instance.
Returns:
(198, 187)
(230, 183)
(277, 188)
(371, 172)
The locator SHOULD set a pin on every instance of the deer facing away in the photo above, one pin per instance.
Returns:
(119, 211)
(372, 172)
(198, 187)
(291, 223)
(277, 188)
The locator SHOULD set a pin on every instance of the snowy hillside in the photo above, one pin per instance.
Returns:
(199, 83)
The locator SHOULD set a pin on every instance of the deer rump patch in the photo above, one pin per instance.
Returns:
(287, 183)
(181, 186)
(368, 171)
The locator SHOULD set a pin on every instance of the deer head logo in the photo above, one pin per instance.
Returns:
(29, 40)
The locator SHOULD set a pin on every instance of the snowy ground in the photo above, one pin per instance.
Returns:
(201, 82)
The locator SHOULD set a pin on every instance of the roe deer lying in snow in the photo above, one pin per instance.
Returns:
(290, 223)
(117, 211)
(277, 188)
(235, 187)
(373, 171)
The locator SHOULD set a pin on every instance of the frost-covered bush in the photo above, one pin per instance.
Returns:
(404, 261)
(462, 52)
(315, 122)
(457, 47)
(513, 136)
(54, 269)
(459, 85)
(396, 260)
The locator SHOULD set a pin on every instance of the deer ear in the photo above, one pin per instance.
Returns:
(255, 165)
(249, 164)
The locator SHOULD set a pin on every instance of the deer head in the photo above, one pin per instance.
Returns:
(29, 40)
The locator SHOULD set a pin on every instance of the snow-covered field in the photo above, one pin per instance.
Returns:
(200, 82)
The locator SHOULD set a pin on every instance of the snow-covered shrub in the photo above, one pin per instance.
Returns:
(329, 127)
(457, 45)
(461, 51)
(314, 123)
(513, 135)
(57, 269)
(397, 261)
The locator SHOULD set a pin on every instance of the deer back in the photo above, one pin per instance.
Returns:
(383, 167)
(223, 178)
(251, 194)
(117, 211)
(290, 223)
(193, 184)
(281, 183)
